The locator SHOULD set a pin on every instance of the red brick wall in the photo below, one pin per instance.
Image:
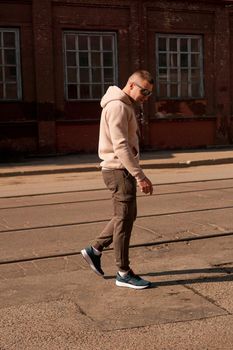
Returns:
(61, 126)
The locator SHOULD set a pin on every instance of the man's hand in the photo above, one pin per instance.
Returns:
(145, 186)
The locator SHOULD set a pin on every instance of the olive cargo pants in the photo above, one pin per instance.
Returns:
(123, 187)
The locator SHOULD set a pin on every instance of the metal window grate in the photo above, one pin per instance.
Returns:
(179, 68)
(90, 64)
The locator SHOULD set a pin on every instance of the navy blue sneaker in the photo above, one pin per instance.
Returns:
(132, 281)
(93, 260)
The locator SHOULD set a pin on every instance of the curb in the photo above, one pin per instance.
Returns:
(95, 167)
(188, 163)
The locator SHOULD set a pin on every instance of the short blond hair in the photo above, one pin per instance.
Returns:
(142, 74)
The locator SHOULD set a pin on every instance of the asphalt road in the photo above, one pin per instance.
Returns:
(182, 241)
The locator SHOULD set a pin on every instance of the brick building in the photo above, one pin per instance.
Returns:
(57, 57)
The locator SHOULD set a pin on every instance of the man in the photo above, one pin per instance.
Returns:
(119, 151)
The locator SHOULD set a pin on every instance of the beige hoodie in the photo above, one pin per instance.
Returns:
(118, 138)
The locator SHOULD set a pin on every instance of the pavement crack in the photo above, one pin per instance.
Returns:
(66, 260)
(210, 300)
(219, 228)
(22, 268)
(145, 228)
(36, 266)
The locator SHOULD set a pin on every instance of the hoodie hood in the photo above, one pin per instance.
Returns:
(114, 93)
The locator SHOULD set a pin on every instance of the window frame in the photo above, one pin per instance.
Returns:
(17, 65)
(168, 83)
(89, 51)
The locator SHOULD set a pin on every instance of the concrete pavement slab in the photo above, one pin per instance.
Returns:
(113, 308)
(167, 266)
(187, 307)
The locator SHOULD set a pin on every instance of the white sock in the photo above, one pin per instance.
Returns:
(123, 274)
(96, 251)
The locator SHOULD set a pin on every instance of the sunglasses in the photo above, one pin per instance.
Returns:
(144, 92)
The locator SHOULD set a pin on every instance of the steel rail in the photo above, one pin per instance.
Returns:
(105, 199)
(106, 220)
(132, 246)
(104, 188)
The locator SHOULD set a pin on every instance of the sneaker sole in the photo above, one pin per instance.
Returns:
(128, 285)
(90, 263)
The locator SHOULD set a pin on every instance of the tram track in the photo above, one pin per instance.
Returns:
(132, 246)
(80, 201)
(107, 198)
(104, 188)
(93, 222)
(79, 223)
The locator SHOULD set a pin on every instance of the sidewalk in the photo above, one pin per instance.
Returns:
(90, 162)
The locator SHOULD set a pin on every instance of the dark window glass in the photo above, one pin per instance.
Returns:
(10, 74)
(107, 43)
(96, 91)
(163, 90)
(71, 59)
(83, 59)
(108, 75)
(108, 59)
(162, 44)
(84, 75)
(184, 60)
(194, 60)
(173, 60)
(85, 91)
(195, 90)
(95, 43)
(70, 42)
(9, 39)
(184, 45)
(72, 75)
(162, 60)
(96, 75)
(174, 90)
(96, 59)
(194, 45)
(72, 92)
(82, 43)
(184, 75)
(9, 56)
(173, 44)
(184, 90)
(11, 91)
(173, 75)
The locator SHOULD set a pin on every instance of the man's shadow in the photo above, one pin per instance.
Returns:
(226, 276)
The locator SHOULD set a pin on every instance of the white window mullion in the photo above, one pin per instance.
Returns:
(3, 70)
(16, 65)
(89, 66)
(168, 67)
(189, 68)
(201, 72)
(77, 66)
(186, 68)
(178, 68)
(86, 52)
(102, 64)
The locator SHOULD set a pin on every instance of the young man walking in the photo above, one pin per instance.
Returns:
(119, 151)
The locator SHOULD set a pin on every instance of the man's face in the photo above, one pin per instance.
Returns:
(140, 90)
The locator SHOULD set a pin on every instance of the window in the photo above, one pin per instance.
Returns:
(90, 64)
(179, 68)
(10, 80)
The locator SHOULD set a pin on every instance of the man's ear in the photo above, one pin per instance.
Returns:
(131, 85)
